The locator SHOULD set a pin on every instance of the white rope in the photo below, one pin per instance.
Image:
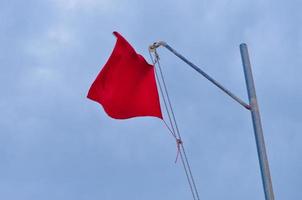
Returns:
(174, 128)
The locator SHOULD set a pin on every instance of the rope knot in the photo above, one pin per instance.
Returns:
(178, 143)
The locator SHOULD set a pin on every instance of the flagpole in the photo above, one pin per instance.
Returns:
(252, 106)
(263, 161)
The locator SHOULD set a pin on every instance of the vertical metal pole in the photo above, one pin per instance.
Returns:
(264, 167)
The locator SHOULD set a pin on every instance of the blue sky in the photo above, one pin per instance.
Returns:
(56, 144)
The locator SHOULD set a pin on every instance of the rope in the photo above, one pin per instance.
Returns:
(174, 128)
(177, 130)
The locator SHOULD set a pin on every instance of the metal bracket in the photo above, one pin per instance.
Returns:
(155, 45)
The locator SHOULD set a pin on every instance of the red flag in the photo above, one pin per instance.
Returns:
(126, 85)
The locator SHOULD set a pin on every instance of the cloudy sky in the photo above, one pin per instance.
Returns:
(56, 144)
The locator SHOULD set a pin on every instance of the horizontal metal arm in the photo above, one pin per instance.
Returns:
(155, 45)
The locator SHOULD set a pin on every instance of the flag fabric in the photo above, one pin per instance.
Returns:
(126, 85)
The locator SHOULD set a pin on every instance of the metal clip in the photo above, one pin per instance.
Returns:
(155, 45)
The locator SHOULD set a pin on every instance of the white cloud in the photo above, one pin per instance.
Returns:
(48, 44)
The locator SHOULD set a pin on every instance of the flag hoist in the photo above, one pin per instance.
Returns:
(126, 87)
